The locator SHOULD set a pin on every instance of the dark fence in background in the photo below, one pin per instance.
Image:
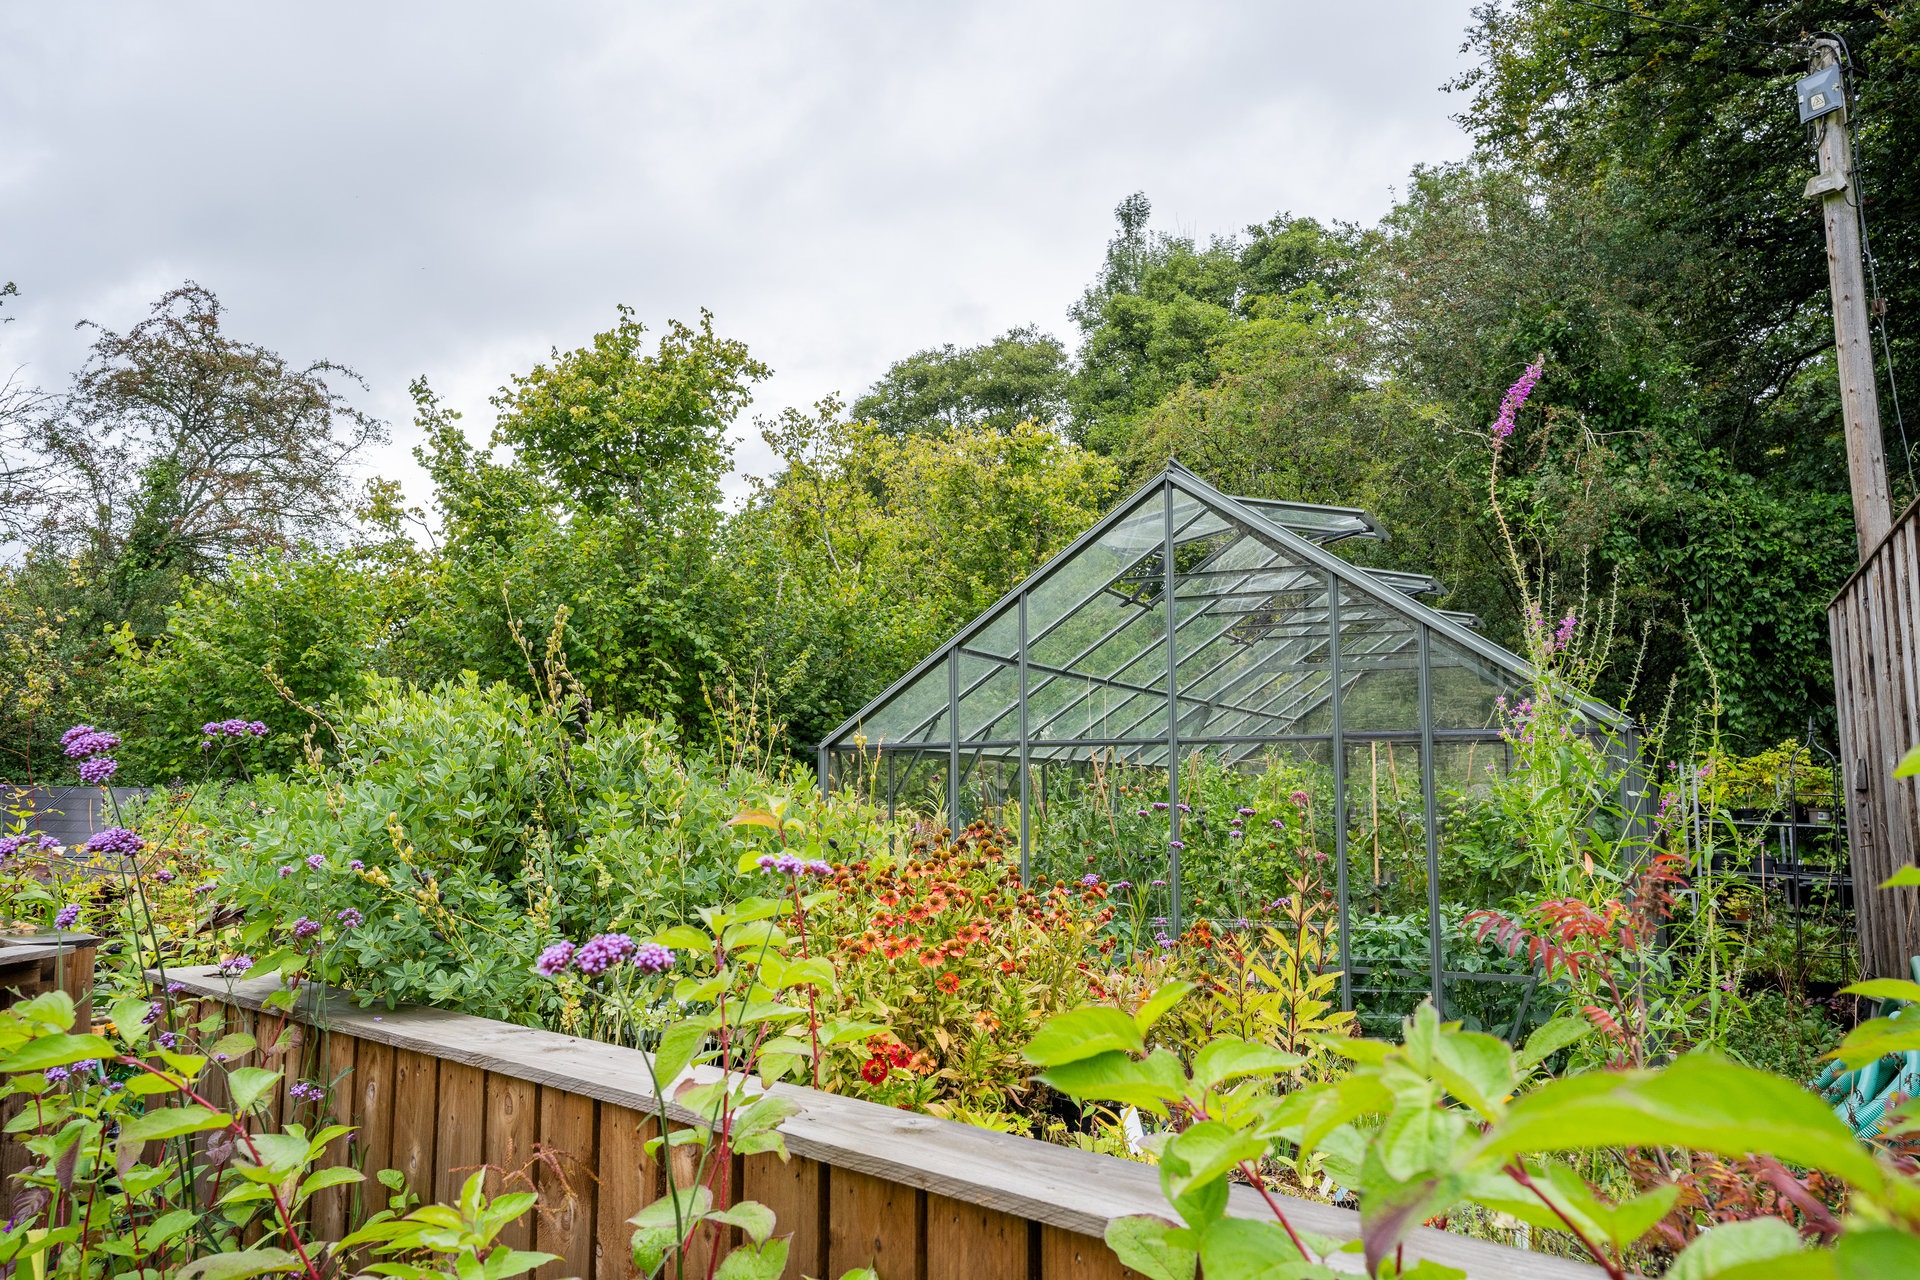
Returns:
(68, 814)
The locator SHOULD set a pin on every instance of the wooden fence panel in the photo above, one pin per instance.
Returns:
(1874, 622)
(438, 1094)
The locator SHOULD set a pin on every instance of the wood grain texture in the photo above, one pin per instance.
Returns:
(794, 1189)
(878, 1224)
(459, 1142)
(627, 1185)
(513, 1126)
(331, 1206)
(373, 1120)
(416, 1120)
(967, 1242)
(1067, 1255)
(569, 1142)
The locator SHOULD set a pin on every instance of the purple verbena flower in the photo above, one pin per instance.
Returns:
(168, 1040)
(1301, 798)
(68, 916)
(317, 860)
(651, 957)
(305, 1091)
(115, 840)
(1121, 886)
(1244, 812)
(286, 871)
(208, 887)
(601, 952)
(175, 988)
(1158, 884)
(83, 740)
(1176, 844)
(554, 959)
(1090, 879)
(305, 928)
(350, 918)
(164, 875)
(1165, 943)
(96, 771)
(46, 844)
(356, 865)
(58, 1075)
(235, 965)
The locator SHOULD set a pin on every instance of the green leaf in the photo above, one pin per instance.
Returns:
(750, 1216)
(1156, 1005)
(129, 1019)
(1715, 1252)
(1702, 1102)
(1905, 877)
(1885, 989)
(1204, 1152)
(1868, 1255)
(1149, 1083)
(1252, 1249)
(239, 1266)
(234, 1044)
(1554, 1036)
(684, 937)
(678, 1045)
(250, 1084)
(333, 1176)
(675, 1209)
(1154, 1247)
(1083, 1033)
(764, 1261)
(1227, 1059)
(1475, 1068)
(1909, 764)
(58, 1051)
(172, 1122)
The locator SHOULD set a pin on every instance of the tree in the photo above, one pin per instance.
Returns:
(1021, 376)
(616, 431)
(179, 446)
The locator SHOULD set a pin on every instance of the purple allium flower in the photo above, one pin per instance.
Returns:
(356, 865)
(305, 1091)
(554, 959)
(317, 861)
(651, 957)
(1515, 398)
(350, 918)
(97, 770)
(601, 952)
(305, 928)
(68, 917)
(235, 965)
(164, 875)
(115, 840)
(1176, 844)
(286, 871)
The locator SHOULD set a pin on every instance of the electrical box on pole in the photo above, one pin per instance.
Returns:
(1823, 103)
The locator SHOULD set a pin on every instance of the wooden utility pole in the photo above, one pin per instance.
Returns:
(1853, 350)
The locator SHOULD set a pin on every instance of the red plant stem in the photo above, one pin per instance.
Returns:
(1518, 1173)
(279, 1204)
(1260, 1184)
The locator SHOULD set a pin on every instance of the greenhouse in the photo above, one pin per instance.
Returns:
(1203, 706)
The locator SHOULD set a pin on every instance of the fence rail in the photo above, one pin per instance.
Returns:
(437, 1095)
(1875, 625)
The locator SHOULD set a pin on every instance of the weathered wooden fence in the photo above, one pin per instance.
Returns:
(437, 1095)
(1875, 623)
(31, 965)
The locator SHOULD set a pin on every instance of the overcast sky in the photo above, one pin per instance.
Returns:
(452, 189)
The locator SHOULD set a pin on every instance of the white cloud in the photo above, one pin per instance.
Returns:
(453, 188)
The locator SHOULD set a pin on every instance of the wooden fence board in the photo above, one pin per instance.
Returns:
(460, 1142)
(373, 1119)
(416, 1120)
(967, 1242)
(627, 1184)
(876, 1224)
(795, 1189)
(564, 1179)
(331, 1206)
(1067, 1255)
(513, 1126)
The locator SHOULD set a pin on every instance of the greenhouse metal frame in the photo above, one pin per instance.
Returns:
(1233, 613)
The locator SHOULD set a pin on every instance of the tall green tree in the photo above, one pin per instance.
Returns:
(1021, 376)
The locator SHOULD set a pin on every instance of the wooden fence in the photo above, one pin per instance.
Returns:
(31, 965)
(437, 1095)
(1875, 623)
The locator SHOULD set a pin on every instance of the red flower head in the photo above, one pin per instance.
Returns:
(949, 982)
(1008, 966)
(899, 1055)
(874, 1070)
(930, 957)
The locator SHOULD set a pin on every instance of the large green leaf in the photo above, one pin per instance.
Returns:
(1156, 1005)
(1154, 1247)
(248, 1085)
(59, 1051)
(1716, 1252)
(1226, 1059)
(1552, 1037)
(1701, 1102)
(1083, 1033)
(1253, 1249)
(172, 1122)
(239, 1266)
(1477, 1069)
(678, 1045)
(1885, 989)
(1203, 1152)
(1149, 1083)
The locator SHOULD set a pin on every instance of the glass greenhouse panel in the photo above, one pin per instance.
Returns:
(917, 713)
(1467, 688)
(1097, 568)
(1379, 664)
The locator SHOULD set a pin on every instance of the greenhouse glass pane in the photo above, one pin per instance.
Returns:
(1097, 567)
(989, 700)
(1387, 881)
(918, 713)
(1379, 665)
(1466, 687)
